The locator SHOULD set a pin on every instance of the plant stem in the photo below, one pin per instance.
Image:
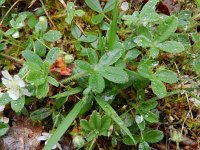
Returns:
(92, 144)
(74, 77)
(12, 58)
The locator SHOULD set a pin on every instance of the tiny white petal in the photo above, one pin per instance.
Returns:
(19, 81)
(6, 74)
(14, 94)
(42, 138)
(25, 92)
(15, 35)
(125, 6)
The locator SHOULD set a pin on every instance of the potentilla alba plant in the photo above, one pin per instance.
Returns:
(15, 85)
(45, 137)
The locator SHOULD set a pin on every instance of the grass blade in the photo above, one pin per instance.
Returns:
(113, 28)
(64, 125)
(112, 113)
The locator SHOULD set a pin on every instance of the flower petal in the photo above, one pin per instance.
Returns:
(6, 75)
(14, 94)
(25, 92)
(42, 138)
(19, 81)
(2, 107)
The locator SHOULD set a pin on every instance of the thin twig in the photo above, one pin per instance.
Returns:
(45, 10)
(12, 58)
(3, 18)
(63, 3)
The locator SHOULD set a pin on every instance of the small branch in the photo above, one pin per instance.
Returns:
(12, 58)
(63, 3)
(45, 10)
(3, 18)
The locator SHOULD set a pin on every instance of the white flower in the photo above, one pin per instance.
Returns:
(45, 137)
(15, 86)
(125, 6)
(78, 141)
(15, 35)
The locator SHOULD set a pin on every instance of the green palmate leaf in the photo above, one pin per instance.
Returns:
(36, 78)
(18, 105)
(110, 57)
(85, 125)
(95, 120)
(5, 99)
(52, 55)
(153, 136)
(32, 57)
(167, 76)
(158, 88)
(151, 117)
(64, 125)
(94, 5)
(96, 82)
(42, 90)
(109, 6)
(105, 122)
(3, 128)
(52, 35)
(171, 47)
(76, 32)
(145, 68)
(143, 41)
(40, 114)
(140, 122)
(91, 54)
(153, 52)
(40, 49)
(132, 54)
(114, 74)
(113, 28)
(144, 146)
(112, 113)
(148, 13)
(88, 38)
(97, 19)
(167, 28)
(2, 2)
(83, 65)
(52, 81)
(68, 93)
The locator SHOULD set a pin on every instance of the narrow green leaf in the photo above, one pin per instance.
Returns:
(42, 90)
(68, 93)
(91, 54)
(112, 113)
(145, 68)
(64, 125)
(76, 32)
(151, 117)
(171, 47)
(167, 76)
(32, 57)
(114, 74)
(140, 122)
(94, 5)
(96, 82)
(40, 114)
(52, 35)
(110, 57)
(40, 49)
(113, 28)
(158, 88)
(153, 136)
(83, 65)
(52, 55)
